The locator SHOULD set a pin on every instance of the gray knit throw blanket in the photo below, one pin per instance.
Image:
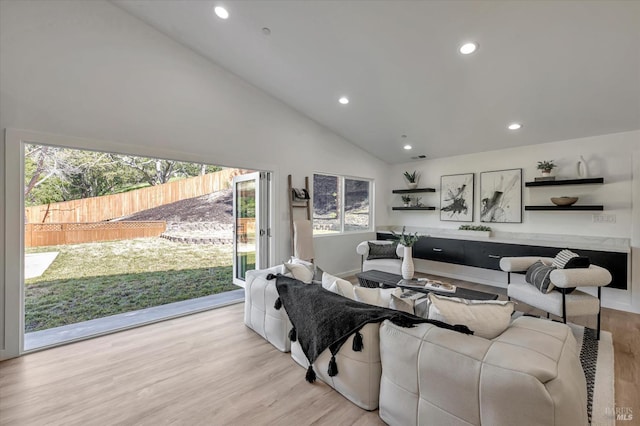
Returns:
(322, 319)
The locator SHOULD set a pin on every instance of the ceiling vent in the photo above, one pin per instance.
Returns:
(419, 157)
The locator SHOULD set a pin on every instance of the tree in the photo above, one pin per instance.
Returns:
(55, 174)
(91, 174)
(42, 184)
(44, 181)
(155, 171)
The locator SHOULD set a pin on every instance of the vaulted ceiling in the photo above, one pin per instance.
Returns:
(564, 69)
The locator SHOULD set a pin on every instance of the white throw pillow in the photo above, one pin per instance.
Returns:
(343, 288)
(337, 285)
(400, 304)
(486, 318)
(300, 272)
(374, 296)
(327, 280)
(301, 262)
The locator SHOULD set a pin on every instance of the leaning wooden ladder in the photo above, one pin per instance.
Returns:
(297, 204)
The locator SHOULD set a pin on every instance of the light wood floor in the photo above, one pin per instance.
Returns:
(209, 369)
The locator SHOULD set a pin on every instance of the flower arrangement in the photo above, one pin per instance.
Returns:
(407, 240)
(546, 166)
(406, 199)
(474, 228)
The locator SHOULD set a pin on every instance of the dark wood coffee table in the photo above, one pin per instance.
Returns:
(375, 278)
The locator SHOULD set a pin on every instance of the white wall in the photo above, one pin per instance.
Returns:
(90, 70)
(610, 156)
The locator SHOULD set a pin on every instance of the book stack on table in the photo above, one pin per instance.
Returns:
(427, 284)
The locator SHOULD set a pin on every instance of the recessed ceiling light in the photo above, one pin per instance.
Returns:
(468, 48)
(343, 100)
(407, 147)
(514, 126)
(221, 12)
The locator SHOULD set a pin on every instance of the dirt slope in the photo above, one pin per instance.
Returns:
(214, 207)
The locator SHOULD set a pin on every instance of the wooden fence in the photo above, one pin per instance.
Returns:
(52, 234)
(109, 207)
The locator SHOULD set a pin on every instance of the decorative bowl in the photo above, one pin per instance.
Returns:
(564, 201)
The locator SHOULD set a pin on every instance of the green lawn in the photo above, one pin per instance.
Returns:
(94, 280)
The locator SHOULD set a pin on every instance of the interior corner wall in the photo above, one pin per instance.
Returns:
(610, 156)
(89, 70)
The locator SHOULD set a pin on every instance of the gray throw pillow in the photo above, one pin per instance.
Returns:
(382, 251)
(577, 262)
(538, 275)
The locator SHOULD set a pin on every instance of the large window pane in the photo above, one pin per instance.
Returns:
(326, 204)
(341, 204)
(356, 205)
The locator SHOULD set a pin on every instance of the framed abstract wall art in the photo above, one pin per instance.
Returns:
(501, 196)
(456, 197)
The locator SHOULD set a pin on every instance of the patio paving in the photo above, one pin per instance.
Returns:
(96, 327)
(35, 264)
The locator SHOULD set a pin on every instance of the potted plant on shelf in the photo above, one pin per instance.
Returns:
(406, 200)
(407, 240)
(545, 167)
(412, 179)
(477, 230)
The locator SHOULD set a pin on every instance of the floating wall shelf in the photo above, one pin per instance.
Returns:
(413, 208)
(576, 208)
(566, 182)
(411, 191)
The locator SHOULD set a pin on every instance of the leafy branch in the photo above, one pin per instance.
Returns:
(411, 177)
(474, 228)
(407, 240)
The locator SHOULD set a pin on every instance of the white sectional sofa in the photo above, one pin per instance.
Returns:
(530, 374)
(259, 314)
(359, 378)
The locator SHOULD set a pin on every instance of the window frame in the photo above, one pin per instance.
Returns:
(341, 211)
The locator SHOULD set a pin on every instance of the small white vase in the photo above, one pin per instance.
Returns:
(407, 264)
(546, 173)
(581, 168)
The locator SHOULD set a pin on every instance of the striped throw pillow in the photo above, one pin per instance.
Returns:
(538, 275)
(561, 259)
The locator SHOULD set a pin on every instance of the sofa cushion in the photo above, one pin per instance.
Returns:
(539, 276)
(382, 251)
(530, 374)
(337, 285)
(374, 296)
(359, 378)
(259, 314)
(486, 318)
(300, 272)
(315, 269)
